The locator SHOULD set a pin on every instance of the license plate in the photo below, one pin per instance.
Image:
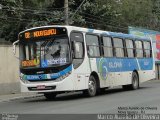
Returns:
(39, 87)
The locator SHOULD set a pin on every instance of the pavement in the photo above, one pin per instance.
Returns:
(31, 106)
(16, 96)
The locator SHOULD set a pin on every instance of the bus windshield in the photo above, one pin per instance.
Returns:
(44, 53)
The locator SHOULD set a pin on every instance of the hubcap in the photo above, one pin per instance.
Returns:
(135, 82)
(91, 87)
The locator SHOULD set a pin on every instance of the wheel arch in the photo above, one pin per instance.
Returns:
(136, 71)
(97, 78)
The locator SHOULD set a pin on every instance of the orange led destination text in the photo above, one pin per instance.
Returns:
(28, 63)
(41, 33)
(44, 33)
(27, 35)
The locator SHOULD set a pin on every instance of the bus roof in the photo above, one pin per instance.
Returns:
(88, 30)
(108, 33)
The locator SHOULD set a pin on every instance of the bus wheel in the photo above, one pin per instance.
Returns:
(135, 83)
(50, 96)
(92, 87)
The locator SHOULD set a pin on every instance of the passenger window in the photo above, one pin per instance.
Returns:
(139, 49)
(130, 48)
(107, 47)
(147, 49)
(93, 45)
(119, 48)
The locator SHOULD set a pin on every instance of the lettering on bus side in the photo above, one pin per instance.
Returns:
(115, 65)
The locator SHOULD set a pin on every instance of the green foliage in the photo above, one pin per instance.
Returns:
(111, 15)
(93, 14)
(18, 15)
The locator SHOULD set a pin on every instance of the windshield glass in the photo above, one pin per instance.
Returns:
(48, 53)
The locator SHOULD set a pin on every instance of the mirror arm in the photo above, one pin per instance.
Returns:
(73, 49)
(14, 47)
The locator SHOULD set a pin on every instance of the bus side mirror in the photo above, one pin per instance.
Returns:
(14, 48)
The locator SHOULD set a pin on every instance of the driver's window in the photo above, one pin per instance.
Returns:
(77, 45)
(78, 50)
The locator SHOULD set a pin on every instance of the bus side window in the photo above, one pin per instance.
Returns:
(147, 49)
(139, 49)
(93, 47)
(130, 48)
(107, 47)
(119, 48)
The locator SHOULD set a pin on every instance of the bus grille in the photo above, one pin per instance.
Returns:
(46, 88)
(42, 80)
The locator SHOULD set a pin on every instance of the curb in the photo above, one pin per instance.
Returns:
(3, 98)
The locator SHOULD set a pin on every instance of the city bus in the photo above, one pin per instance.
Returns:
(57, 59)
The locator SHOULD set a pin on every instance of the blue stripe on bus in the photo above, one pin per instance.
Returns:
(48, 76)
(61, 73)
(146, 64)
(106, 65)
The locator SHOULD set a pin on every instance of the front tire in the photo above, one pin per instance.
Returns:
(92, 87)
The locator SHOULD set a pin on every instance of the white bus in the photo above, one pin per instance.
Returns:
(56, 59)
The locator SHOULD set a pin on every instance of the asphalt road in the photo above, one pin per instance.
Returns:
(113, 101)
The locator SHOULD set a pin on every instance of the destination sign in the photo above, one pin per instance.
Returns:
(30, 63)
(41, 33)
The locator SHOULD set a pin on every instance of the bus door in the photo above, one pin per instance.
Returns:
(94, 56)
(80, 66)
(93, 50)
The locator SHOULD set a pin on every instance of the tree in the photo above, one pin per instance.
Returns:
(138, 13)
(110, 15)
(17, 15)
(93, 14)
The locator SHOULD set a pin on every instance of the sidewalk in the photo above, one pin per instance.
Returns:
(9, 97)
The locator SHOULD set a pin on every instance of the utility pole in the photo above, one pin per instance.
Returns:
(66, 11)
(1, 6)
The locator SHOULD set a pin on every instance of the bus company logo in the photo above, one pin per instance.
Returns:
(102, 68)
(40, 77)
